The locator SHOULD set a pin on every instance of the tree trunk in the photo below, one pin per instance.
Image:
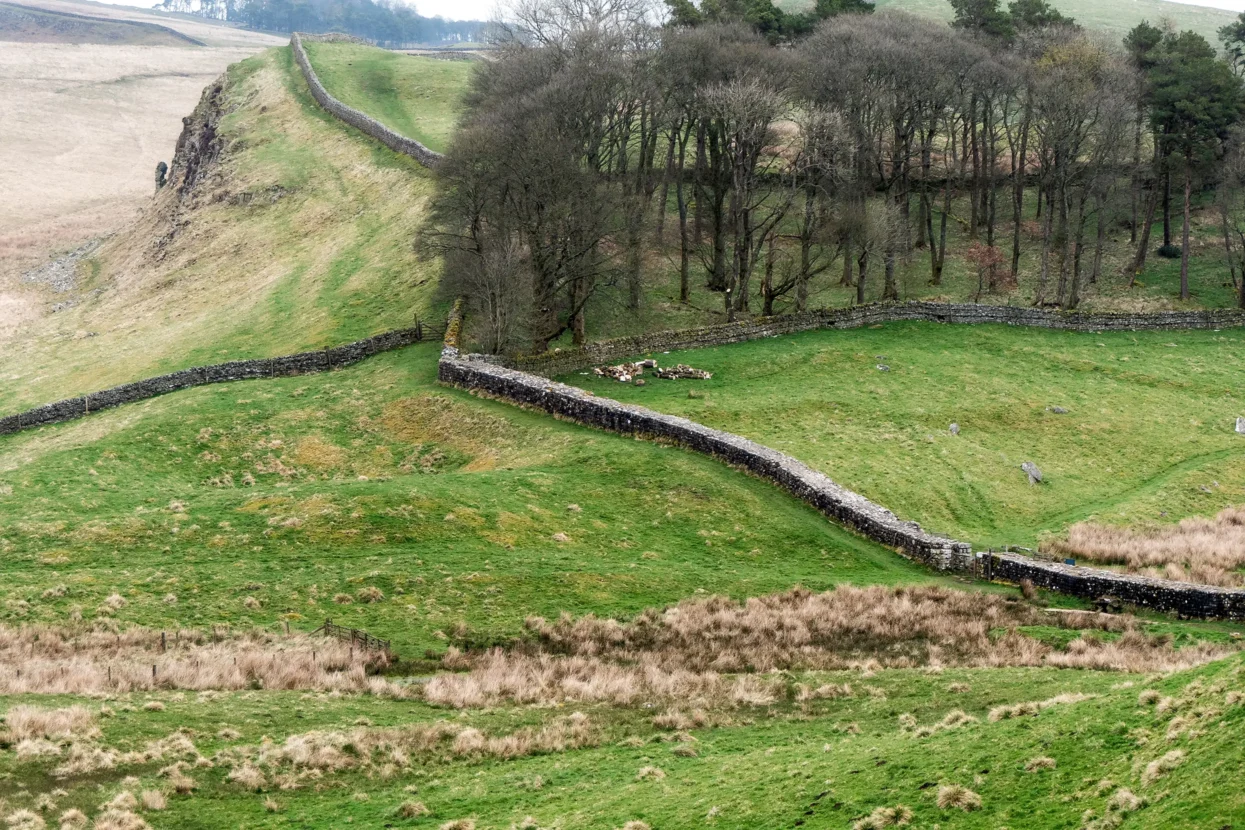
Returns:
(1100, 242)
(1184, 254)
(680, 195)
(1227, 243)
(664, 203)
(1039, 297)
(1143, 244)
(1018, 194)
(862, 263)
(1167, 205)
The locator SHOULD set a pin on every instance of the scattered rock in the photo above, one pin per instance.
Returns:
(955, 429)
(630, 372)
(1108, 605)
(683, 372)
(1057, 410)
(61, 274)
(883, 368)
(1240, 426)
(1035, 475)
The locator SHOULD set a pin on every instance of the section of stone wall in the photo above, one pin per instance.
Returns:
(609, 351)
(295, 364)
(1183, 598)
(361, 122)
(486, 375)
(842, 505)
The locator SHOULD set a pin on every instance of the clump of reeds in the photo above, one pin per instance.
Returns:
(1206, 551)
(719, 650)
(86, 660)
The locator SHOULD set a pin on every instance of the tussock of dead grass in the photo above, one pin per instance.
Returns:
(1206, 551)
(954, 796)
(689, 651)
(27, 722)
(51, 660)
(884, 817)
(1019, 710)
(73, 820)
(1042, 762)
(25, 820)
(1159, 767)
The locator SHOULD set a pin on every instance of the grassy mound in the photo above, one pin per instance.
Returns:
(416, 96)
(298, 234)
(288, 500)
(1148, 434)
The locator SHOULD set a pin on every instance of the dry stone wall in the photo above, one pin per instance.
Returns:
(874, 521)
(609, 351)
(486, 375)
(1183, 598)
(295, 364)
(361, 122)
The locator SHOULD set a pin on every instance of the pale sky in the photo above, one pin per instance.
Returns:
(483, 9)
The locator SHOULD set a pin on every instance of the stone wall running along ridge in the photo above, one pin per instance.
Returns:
(361, 122)
(295, 364)
(610, 351)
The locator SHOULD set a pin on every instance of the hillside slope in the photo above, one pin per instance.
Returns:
(1114, 17)
(26, 24)
(281, 230)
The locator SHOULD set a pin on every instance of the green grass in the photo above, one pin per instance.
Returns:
(781, 766)
(377, 476)
(1149, 436)
(1115, 17)
(416, 96)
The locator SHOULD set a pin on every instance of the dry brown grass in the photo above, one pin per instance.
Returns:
(1206, 551)
(718, 650)
(50, 660)
(953, 796)
(884, 817)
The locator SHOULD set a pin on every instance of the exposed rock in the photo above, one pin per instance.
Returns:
(1057, 410)
(955, 429)
(1035, 475)
(1240, 426)
(883, 368)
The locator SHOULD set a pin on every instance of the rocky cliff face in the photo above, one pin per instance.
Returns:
(200, 145)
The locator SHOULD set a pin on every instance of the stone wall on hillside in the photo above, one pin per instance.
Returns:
(608, 351)
(486, 375)
(361, 122)
(295, 364)
(1184, 598)
(481, 374)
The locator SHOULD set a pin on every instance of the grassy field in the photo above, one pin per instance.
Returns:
(375, 477)
(301, 237)
(824, 763)
(415, 96)
(1114, 17)
(1148, 436)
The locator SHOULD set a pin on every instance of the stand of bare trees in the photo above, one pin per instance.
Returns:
(600, 145)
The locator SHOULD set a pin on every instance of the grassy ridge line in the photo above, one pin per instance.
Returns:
(359, 120)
